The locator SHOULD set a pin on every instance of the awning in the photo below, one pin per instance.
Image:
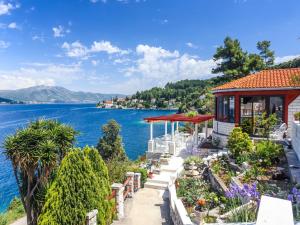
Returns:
(180, 118)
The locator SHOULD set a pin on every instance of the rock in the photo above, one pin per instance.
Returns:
(279, 175)
(245, 166)
(192, 173)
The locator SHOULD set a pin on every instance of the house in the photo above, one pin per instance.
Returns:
(108, 104)
(239, 102)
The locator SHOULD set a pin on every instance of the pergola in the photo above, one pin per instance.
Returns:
(177, 118)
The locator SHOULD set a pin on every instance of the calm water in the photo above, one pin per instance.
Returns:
(86, 119)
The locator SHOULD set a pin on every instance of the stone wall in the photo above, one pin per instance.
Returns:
(295, 135)
(178, 212)
(293, 108)
(221, 130)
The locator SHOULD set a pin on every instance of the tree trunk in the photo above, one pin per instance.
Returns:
(28, 203)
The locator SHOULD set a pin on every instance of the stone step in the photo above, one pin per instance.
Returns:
(159, 180)
(158, 186)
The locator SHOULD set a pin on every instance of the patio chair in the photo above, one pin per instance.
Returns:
(279, 132)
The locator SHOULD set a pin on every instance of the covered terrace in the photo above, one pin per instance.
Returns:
(176, 141)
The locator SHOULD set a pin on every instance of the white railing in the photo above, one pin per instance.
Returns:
(295, 136)
(164, 143)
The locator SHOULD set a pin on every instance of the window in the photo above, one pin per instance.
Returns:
(254, 106)
(276, 106)
(225, 109)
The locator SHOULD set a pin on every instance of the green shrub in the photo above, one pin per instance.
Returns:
(242, 215)
(246, 125)
(192, 114)
(195, 159)
(79, 187)
(117, 169)
(239, 144)
(267, 153)
(191, 189)
(3, 219)
(297, 116)
(266, 123)
(144, 173)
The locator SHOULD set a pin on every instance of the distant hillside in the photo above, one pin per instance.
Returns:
(183, 95)
(49, 94)
(294, 63)
(8, 101)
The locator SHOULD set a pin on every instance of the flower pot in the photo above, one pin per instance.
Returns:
(199, 214)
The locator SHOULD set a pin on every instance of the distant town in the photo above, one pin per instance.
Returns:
(134, 103)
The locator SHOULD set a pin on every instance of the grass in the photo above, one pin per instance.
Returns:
(14, 212)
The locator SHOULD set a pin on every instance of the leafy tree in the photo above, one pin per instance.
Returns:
(35, 152)
(266, 123)
(234, 63)
(231, 59)
(294, 63)
(254, 63)
(110, 145)
(80, 186)
(266, 54)
(296, 79)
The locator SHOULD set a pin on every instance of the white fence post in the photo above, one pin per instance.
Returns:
(137, 180)
(91, 217)
(119, 189)
(130, 184)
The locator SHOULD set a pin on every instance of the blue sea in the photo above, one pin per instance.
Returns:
(85, 118)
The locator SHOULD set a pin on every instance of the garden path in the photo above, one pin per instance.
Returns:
(21, 221)
(148, 206)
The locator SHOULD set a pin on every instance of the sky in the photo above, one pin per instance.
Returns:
(121, 46)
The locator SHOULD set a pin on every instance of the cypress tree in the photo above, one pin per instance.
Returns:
(76, 190)
(101, 171)
(110, 145)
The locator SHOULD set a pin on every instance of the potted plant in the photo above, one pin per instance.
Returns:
(200, 208)
(297, 116)
(150, 174)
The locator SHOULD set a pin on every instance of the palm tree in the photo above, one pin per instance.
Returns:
(35, 152)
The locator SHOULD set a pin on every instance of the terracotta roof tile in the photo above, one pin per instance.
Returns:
(273, 78)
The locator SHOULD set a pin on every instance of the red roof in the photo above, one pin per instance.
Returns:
(274, 78)
(180, 118)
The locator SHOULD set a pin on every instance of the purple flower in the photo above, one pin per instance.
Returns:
(290, 197)
(295, 191)
(229, 194)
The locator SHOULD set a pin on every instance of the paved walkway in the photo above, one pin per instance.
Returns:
(21, 221)
(147, 207)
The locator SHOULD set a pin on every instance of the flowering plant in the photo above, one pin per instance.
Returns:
(247, 191)
(236, 195)
(294, 197)
(201, 202)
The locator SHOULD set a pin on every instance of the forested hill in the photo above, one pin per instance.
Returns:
(232, 62)
(9, 101)
(294, 63)
(183, 95)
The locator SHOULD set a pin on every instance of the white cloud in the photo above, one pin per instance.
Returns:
(75, 50)
(39, 74)
(156, 66)
(191, 45)
(95, 62)
(13, 25)
(5, 8)
(285, 58)
(40, 38)
(60, 31)
(121, 1)
(165, 21)
(4, 44)
(78, 50)
(106, 46)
